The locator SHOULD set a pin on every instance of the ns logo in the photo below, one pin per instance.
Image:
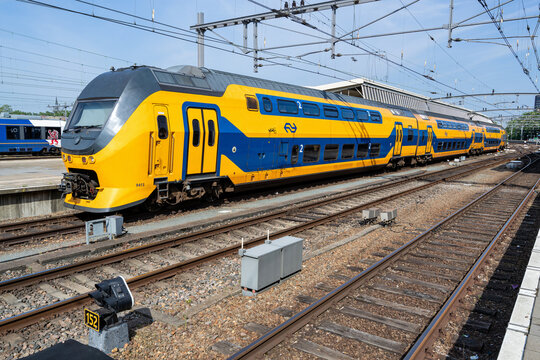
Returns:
(290, 127)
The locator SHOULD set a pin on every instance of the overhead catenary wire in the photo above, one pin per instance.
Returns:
(387, 59)
(499, 28)
(160, 32)
(65, 46)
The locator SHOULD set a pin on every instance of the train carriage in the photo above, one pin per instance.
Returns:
(492, 139)
(30, 136)
(145, 134)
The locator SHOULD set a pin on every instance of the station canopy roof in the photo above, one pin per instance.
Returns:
(372, 90)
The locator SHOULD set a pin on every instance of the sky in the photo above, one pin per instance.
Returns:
(48, 54)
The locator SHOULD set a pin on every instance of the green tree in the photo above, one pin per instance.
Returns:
(6, 108)
(524, 127)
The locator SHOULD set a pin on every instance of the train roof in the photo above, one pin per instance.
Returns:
(141, 81)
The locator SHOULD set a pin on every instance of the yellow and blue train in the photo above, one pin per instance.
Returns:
(144, 134)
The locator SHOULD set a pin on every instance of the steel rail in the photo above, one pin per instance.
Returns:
(34, 316)
(53, 273)
(13, 239)
(296, 322)
(421, 347)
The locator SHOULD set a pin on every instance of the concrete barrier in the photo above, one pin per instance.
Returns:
(30, 201)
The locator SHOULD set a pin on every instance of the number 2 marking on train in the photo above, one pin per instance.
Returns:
(301, 148)
(299, 104)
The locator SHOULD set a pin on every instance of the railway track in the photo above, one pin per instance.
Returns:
(24, 231)
(397, 307)
(225, 238)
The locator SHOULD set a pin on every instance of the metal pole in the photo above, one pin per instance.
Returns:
(200, 41)
(450, 24)
(245, 36)
(521, 132)
(334, 8)
(255, 48)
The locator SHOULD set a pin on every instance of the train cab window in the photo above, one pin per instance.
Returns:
(311, 153)
(376, 116)
(267, 104)
(347, 114)
(362, 150)
(287, 106)
(330, 111)
(375, 150)
(163, 131)
(362, 115)
(13, 132)
(32, 133)
(310, 109)
(347, 151)
(211, 133)
(252, 103)
(331, 152)
(410, 134)
(294, 154)
(196, 132)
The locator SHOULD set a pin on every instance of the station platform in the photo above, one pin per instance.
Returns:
(30, 187)
(522, 338)
(28, 174)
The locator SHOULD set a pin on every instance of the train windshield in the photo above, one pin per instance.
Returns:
(91, 114)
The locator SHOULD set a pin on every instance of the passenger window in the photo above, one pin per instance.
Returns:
(331, 152)
(13, 133)
(267, 104)
(362, 115)
(439, 146)
(347, 114)
(211, 133)
(311, 109)
(196, 132)
(294, 154)
(252, 104)
(311, 153)
(287, 106)
(163, 131)
(375, 150)
(410, 134)
(32, 133)
(330, 111)
(376, 117)
(362, 150)
(347, 152)
(423, 136)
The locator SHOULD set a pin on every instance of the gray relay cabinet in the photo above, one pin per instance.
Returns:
(291, 254)
(268, 263)
(259, 268)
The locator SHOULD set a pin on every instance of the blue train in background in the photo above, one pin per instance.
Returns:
(31, 136)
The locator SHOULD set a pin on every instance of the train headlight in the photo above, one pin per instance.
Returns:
(91, 159)
(69, 158)
(64, 157)
(83, 160)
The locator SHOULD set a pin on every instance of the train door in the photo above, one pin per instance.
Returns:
(161, 141)
(399, 139)
(283, 154)
(429, 140)
(202, 141)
